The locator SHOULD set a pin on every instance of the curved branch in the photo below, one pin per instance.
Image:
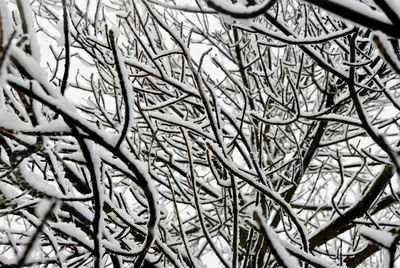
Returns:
(124, 91)
(240, 12)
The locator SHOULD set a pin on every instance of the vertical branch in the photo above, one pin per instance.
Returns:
(181, 230)
(67, 48)
(97, 196)
(197, 202)
(235, 215)
(125, 93)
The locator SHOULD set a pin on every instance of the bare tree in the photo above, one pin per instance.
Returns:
(158, 133)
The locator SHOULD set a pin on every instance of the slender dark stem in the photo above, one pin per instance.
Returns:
(67, 48)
